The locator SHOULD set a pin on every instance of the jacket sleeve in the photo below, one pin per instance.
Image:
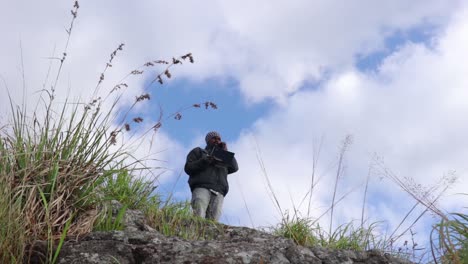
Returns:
(233, 167)
(195, 162)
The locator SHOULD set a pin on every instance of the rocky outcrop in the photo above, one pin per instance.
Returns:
(241, 245)
(139, 243)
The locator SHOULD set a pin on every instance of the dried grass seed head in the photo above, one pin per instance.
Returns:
(209, 104)
(157, 126)
(136, 72)
(137, 119)
(188, 55)
(143, 97)
(167, 73)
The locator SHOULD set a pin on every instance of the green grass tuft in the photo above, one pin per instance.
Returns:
(177, 219)
(307, 232)
(451, 242)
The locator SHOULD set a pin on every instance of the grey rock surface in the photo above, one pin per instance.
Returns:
(241, 245)
(139, 243)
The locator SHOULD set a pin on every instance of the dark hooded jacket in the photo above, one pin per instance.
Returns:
(205, 175)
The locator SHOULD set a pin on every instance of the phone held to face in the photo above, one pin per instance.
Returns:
(222, 145)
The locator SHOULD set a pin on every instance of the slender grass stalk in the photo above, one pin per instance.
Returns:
(62, 240)
(315, 158)
(347, 141)
(245, 203)
(365, 195)
(271, 191)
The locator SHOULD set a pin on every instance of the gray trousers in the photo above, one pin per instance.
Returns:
(207, 204)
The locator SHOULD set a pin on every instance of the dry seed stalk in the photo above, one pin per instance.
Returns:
(177, 115)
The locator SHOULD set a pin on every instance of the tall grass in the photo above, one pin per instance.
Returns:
(12, 237)
(59, 166)
(449, 239)
(307, 231)
(51, 168)
(58, 177)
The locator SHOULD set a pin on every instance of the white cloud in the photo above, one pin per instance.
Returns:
(413, 112)
(297, 40)
(271, 50)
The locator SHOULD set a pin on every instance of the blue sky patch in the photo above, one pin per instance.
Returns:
(393, 42)
(232, 115)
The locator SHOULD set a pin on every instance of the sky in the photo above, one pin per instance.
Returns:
(293, 81)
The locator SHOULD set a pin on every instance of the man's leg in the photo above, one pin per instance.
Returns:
(200, 201)
(215, 207)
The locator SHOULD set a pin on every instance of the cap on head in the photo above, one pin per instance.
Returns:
(211, 135)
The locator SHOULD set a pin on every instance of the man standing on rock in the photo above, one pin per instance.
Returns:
(208, 176)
